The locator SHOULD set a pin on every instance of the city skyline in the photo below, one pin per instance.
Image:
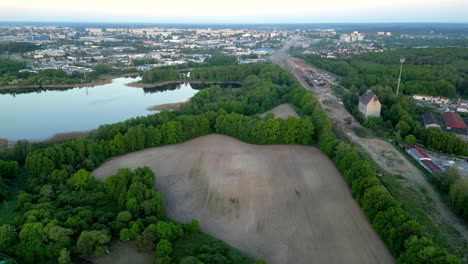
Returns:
(242, 11)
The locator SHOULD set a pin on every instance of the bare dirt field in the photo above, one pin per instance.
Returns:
(282, 111)
(282, 203)
(124, 253)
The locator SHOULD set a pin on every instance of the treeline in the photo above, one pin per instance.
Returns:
(8, 171)
(160, 75)
(456, 186)
(240, 73)
(221, 60)
(8, 66)
(269, 131)
(11, 75)
(64, 203)
(433, 71)
(20, 47)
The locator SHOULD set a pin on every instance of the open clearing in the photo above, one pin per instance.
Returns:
(282, 203)
(124, 253)
(282, 111)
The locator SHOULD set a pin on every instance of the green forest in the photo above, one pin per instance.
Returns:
(433, 71)
(64, 214)
(10, 75)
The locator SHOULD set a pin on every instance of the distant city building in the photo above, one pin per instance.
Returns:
(462, 106)
(369, 105)
(95, 31)
(345, 38)
(433, 99)
(354, 37)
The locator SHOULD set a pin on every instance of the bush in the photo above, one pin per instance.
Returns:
(164, 248)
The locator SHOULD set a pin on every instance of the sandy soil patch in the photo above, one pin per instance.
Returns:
(282, 111)
(170, 106)
(282, 203)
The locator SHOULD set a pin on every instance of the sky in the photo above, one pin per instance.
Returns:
(235, 11)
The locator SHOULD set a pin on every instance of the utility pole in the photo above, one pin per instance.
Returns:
(402, 60)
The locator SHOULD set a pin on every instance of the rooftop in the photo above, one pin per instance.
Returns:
(429, 118)
(367, 97)
(420, 154)
(453, 120)
(432, 166)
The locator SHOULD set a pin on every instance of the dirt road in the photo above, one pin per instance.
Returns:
(384, 153)
(282, 203)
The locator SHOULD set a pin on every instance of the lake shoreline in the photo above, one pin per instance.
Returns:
(75, 111)
(105, 80)
(169, 106)
(56, 138)
(140, 84)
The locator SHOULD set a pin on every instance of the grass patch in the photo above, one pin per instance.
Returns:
(189, 244)
(416, 202)
(125, 252)
(338, 91)
(362, 132)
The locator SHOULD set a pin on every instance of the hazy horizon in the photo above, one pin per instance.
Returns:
(241, 11)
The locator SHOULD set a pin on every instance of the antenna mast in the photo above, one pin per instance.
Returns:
(402, 60)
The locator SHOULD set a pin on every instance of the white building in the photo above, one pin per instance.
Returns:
(369, 105)
(345, 38)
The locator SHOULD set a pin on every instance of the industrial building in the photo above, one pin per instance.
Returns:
(454, 123)
(421, 157)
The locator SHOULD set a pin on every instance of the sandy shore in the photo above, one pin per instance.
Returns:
(170, 106)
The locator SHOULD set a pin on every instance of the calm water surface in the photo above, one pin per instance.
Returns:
(39, 115)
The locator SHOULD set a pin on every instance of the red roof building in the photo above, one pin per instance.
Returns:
(431, 166)
(418, 154)
(453, 121)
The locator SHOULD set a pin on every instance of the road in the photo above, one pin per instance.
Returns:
(384, 153)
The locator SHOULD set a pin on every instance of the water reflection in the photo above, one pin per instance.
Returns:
(196, 86)
(40, 113)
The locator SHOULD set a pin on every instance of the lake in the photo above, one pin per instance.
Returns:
(39, 114)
